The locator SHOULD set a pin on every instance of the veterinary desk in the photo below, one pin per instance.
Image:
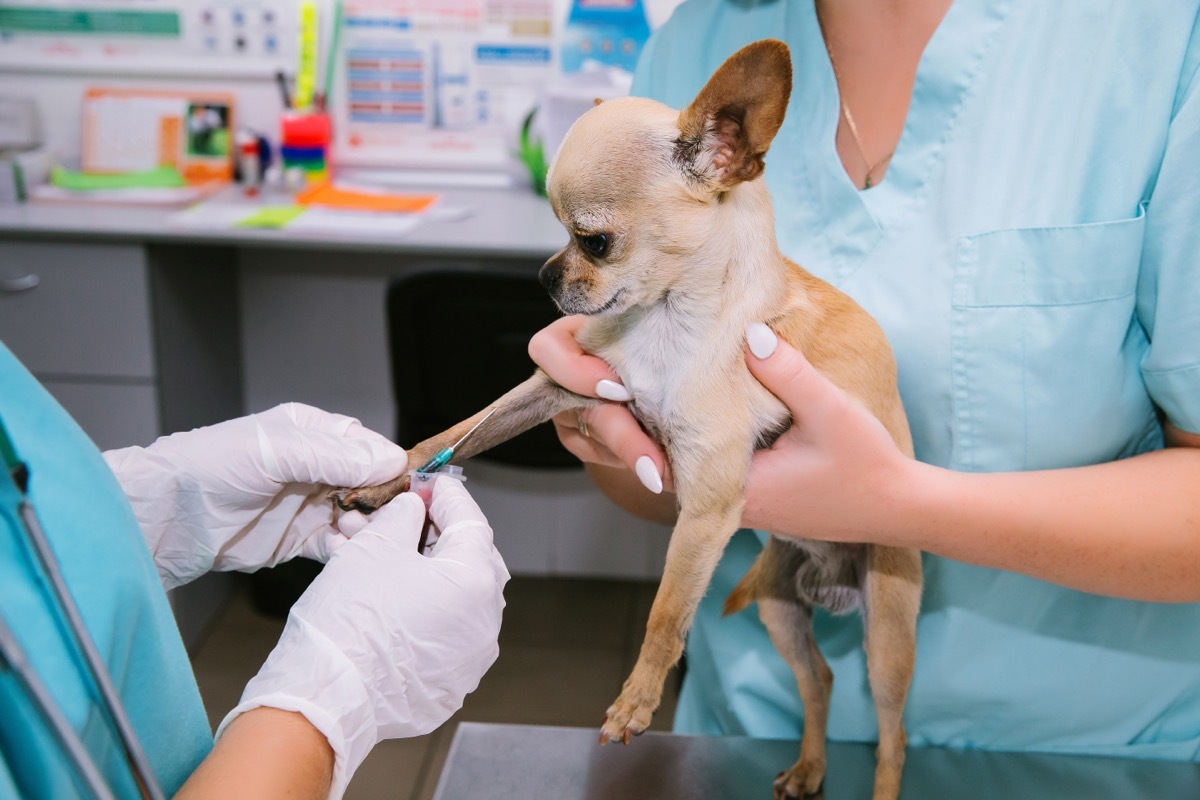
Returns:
(522, 762)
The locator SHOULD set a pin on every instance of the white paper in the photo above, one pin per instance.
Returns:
(212, 215)
(358, 223)
(439, 85)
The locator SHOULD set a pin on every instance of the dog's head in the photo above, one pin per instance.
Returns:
(635, 181)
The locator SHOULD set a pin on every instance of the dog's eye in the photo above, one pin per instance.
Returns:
(595, 243)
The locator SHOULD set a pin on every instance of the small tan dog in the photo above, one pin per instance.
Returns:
(672, 255)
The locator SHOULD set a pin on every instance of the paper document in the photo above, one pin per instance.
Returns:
(310, 219)
(358, 223)
(160, 196)
(438, 84)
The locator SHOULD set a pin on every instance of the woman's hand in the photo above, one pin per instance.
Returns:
(836, 473)
(385, 643)
(607, 435)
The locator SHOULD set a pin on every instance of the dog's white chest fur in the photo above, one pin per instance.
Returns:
(682, 368)
(682, 357)
(657, 362)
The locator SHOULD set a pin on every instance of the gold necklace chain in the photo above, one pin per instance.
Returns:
(853, 127)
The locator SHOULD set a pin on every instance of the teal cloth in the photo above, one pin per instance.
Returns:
(1032, 254)
(110, 574)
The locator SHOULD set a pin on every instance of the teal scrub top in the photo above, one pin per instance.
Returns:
(108, 568)
(1033, 254)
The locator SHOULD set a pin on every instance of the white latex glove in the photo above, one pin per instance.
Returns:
(386, 643)
(250, 492)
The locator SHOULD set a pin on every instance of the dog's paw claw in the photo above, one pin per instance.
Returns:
(624, 720)
(351, 500)
(802, 780)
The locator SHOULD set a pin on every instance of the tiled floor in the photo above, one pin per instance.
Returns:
(566, 647)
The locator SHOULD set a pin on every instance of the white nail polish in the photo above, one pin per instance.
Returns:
(611, 390)
(761, 339)
(648, 474)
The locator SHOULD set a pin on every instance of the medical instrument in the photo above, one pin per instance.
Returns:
(442, 456)
(14, 660)
(284, 95)
(421, 479)
(13, 657)
(421, 483)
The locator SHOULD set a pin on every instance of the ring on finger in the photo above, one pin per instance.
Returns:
(583, 428)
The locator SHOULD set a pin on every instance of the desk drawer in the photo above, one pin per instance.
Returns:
(77, 309)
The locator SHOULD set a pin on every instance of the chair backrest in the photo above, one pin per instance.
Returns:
(458, 338)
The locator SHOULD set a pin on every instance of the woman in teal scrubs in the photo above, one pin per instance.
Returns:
(1017, 202)
(364, 655)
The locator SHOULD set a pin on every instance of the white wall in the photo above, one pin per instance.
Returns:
(60, 94)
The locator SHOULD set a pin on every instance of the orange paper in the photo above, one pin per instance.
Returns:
(330, 196)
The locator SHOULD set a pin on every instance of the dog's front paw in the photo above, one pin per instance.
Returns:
(368, 498)
(802, 780)
(629, 716)
(348, 500)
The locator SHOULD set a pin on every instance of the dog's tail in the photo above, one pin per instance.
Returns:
(746, 592)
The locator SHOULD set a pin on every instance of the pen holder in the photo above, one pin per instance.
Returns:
(422, 484)
(304, 144)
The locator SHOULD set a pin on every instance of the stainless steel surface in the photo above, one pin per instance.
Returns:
(507, 762)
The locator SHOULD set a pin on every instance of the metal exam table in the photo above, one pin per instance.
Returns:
(528, 762)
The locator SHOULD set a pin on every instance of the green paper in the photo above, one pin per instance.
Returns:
(80, 20)
(74, 180)
(271, 217)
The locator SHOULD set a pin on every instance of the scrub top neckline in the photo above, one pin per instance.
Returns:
(945, 74)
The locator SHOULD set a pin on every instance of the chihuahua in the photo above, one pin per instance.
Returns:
(672, 254)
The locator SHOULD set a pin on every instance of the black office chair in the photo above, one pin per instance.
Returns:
(458, 339)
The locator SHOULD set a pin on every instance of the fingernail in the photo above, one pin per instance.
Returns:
(648, 474)
(761, 339)
(611, 390)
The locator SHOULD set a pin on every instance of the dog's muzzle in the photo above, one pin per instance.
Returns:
(551, 277)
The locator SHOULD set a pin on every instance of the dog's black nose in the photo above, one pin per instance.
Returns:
(550, 276)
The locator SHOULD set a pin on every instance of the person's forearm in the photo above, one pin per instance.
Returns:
(1129, 528)
(623, 488)
(265, 753)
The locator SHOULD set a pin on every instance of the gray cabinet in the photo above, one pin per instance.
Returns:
(78, 316)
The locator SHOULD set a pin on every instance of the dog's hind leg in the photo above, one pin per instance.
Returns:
(789, 623)
(530, 403)
(892, 597)
(788, 619)
(771, 581)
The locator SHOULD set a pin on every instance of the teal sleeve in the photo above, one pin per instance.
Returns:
(108, 570)
(7, 787)
(1168, 299)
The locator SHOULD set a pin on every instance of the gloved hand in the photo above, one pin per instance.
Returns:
(250, 492)
(386, 643)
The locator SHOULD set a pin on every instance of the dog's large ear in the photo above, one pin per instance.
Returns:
(727, 129)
